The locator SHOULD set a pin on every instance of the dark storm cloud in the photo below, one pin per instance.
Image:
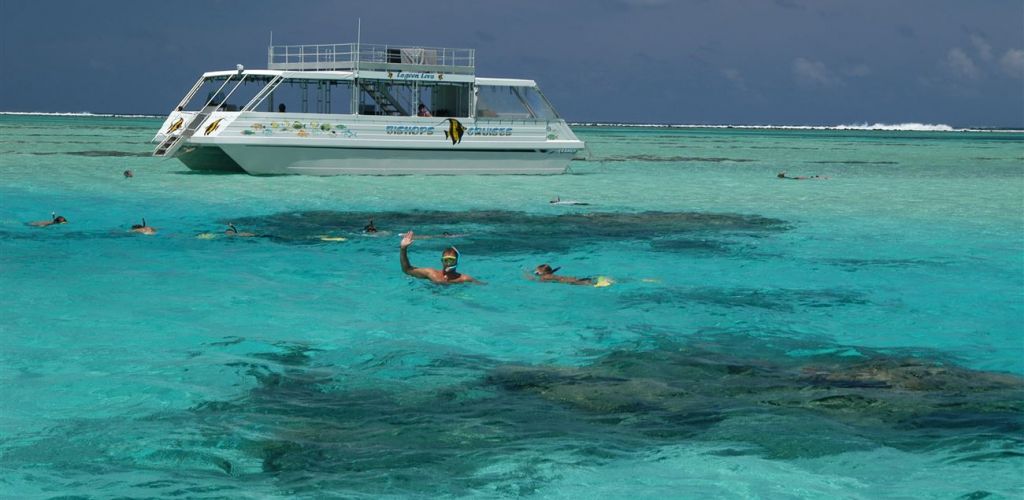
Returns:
(735, 61)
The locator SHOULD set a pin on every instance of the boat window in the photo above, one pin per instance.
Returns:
(382, 97)
(310, 96)
(446, 99)
(239, 91)
(538, 104)
(213, 90)
(510, 102)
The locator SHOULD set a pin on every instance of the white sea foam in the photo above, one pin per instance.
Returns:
(78, 114)
(916, 127)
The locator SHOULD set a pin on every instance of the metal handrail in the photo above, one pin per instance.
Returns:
(349, 55)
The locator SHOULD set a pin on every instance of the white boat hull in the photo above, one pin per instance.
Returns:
(306, 160)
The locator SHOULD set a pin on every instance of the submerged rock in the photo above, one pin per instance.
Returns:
(874, 394)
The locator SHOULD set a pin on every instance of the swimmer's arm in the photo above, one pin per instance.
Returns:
(407, 268)
(470, 279)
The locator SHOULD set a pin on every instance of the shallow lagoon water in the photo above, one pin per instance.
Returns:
(764, 337)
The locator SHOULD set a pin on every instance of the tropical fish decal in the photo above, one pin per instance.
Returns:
(176, 125)
(211, 128)
(455, 130)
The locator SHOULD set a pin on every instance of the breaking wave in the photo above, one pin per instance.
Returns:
(84, 114)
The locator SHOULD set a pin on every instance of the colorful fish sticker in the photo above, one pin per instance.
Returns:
(176, 125)
(211, 128)
(455, 130)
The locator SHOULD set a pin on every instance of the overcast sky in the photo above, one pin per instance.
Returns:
(820, 62)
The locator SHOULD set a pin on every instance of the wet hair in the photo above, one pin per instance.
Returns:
(140, 226)
(231, 227)
(59, 219)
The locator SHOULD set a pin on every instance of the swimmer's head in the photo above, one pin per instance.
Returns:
(781, 175)
(140, 226)
(544, 270)
(59, 219)
(450, 259)
(231, 228)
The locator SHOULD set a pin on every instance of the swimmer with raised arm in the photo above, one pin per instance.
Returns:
(448, 275)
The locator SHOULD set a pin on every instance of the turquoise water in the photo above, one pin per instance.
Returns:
(859, 336)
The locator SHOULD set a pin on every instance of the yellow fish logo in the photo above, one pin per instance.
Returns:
(211, 128)
(455, 130)
(176, 125)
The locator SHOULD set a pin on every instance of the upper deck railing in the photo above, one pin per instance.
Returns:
(349, 56)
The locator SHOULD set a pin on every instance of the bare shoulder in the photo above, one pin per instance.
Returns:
(465, 278)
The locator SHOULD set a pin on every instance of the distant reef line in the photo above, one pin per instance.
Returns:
(80, 114)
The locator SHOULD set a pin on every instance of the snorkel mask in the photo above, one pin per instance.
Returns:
(451, 261)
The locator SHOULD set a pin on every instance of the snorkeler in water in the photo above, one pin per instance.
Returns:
(448, 275)
(545, 272)
(557, 200)
(54, 219)
(233, 231)
(782, 175)
(143, 228)
(128, 174)
(370, 228)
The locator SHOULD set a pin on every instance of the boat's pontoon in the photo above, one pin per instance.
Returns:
(366, 109)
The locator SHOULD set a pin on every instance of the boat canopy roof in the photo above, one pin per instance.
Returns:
(267, 74)
(506, 82)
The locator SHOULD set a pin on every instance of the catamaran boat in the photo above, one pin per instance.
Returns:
(366, 109)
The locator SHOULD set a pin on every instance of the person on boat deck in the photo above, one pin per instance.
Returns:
(449, 261)
(54, 219)
(423, 111)
(370, 228)
(544, 272)
(143, 228)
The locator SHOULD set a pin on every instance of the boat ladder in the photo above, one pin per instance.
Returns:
(385, 101)
(172, 143)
